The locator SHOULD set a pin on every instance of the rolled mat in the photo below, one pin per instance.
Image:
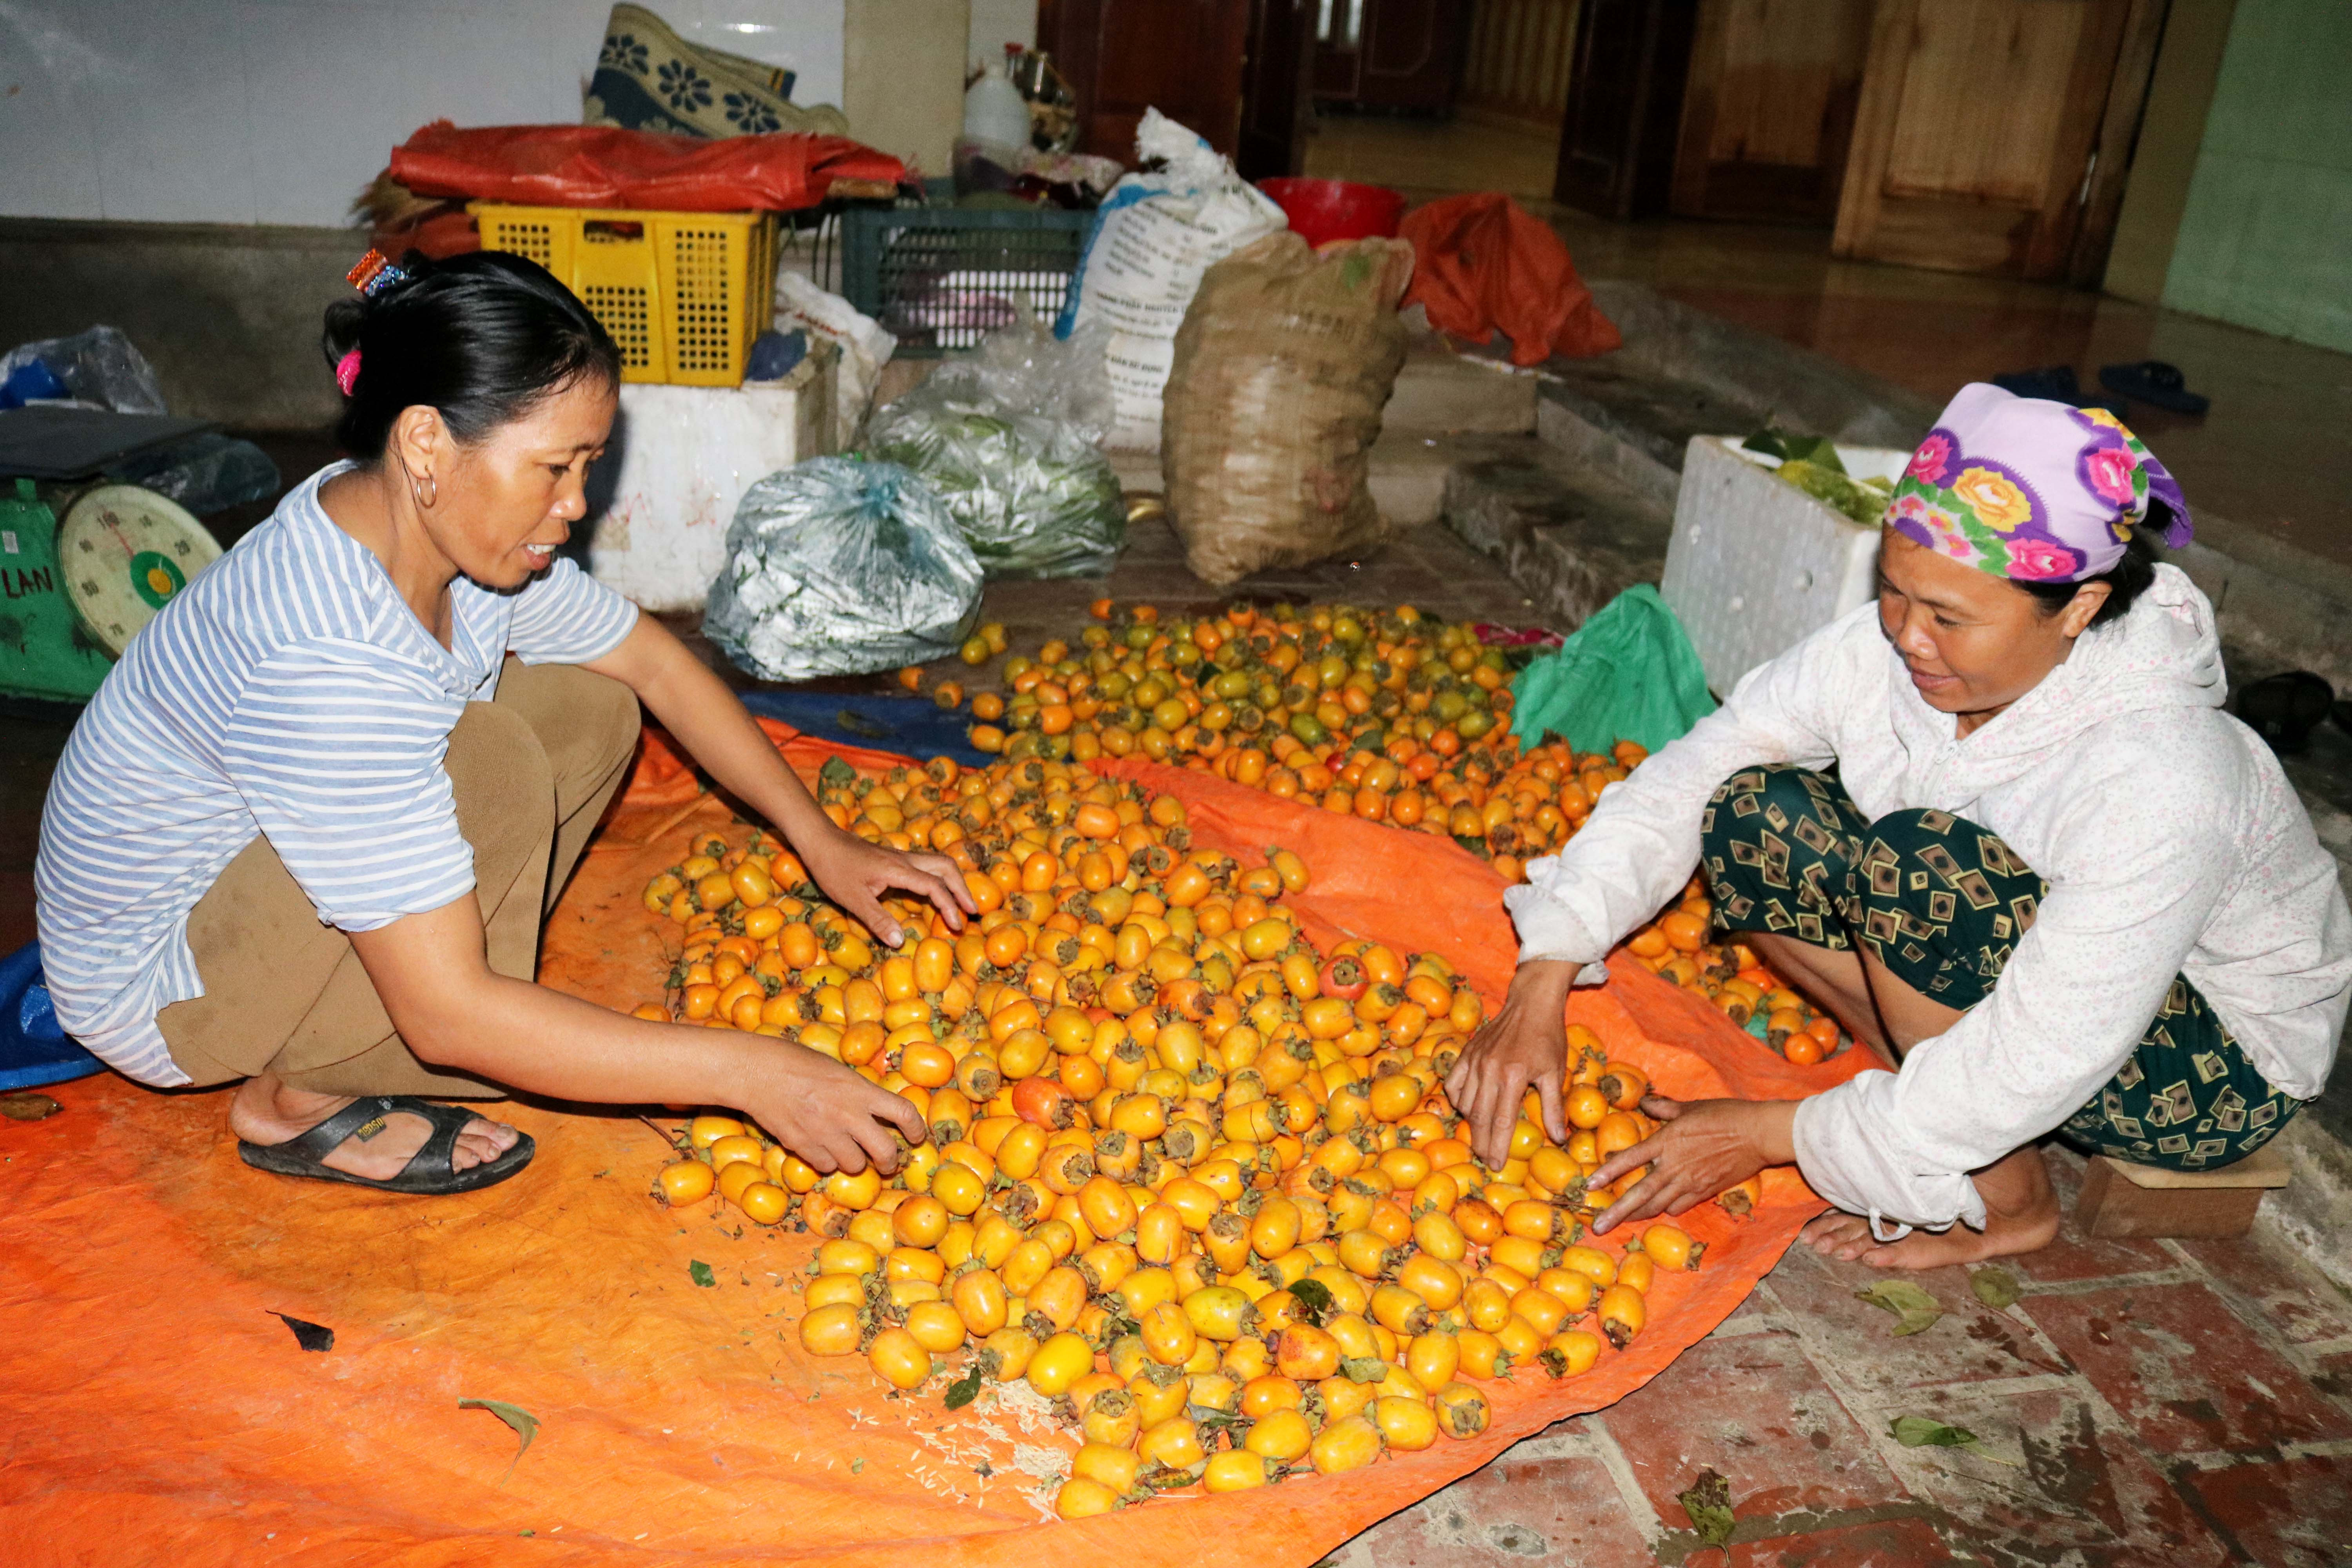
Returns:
(157, 1411)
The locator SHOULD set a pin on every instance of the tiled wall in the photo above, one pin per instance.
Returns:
(2267, 240)
(279, 111)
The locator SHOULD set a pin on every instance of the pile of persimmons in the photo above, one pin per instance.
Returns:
(1190, 1178)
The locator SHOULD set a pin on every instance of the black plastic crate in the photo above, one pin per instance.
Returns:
(942, 277)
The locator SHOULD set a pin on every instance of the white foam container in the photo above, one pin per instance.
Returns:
(681, 457)
(1755, 566)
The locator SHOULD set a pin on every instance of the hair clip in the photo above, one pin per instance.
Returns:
(373, 275)
(347, 371)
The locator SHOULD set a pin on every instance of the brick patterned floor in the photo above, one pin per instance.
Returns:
(2145, 1405)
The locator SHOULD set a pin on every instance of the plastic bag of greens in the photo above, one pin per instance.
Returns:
(1008, 439)
(1629, 673)
(836, 566)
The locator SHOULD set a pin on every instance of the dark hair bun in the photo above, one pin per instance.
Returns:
(2127, 579)
(482, 337)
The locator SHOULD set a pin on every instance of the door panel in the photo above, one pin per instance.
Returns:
(1984, 99)
(1276, 90)
(1974, 138)
(1120, 57)
(1625, 104)
(1768, 114)
(1412, 48)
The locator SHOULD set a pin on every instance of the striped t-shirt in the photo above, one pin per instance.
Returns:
(288, 691)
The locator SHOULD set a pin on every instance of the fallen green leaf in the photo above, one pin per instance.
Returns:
(1996, 1288)
(525, 1425)
(964, 1390)
(699, 1272)
(857, 1467)
(1314, 1298)
(1709, 1503)
(1919, 1432)
(1914, 1308)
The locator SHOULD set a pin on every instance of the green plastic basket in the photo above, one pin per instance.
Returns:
(940, 278)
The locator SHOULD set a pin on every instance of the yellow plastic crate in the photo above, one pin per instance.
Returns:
(683, 294)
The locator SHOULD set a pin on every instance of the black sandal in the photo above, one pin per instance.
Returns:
(2153, 380)
(428, 1170)
(2056, 384)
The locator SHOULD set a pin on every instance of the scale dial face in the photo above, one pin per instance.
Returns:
(124, 552)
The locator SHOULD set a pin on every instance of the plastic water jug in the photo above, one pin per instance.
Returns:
(995, 110)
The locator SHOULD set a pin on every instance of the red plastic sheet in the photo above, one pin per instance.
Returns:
(1484, 262)
(604, 166)
(157, 1411)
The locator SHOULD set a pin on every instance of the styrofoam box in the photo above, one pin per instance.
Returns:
(679, 459)
(1755, 566)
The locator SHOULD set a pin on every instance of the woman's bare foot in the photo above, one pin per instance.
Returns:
(2020, 1215)
(266, 1112)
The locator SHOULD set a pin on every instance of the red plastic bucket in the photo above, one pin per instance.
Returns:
(1324, 210)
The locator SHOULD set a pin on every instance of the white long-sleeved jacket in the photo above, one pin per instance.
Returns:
(2170, 839)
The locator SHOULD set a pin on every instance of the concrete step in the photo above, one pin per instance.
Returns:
(1441, 393)
(1571, 535)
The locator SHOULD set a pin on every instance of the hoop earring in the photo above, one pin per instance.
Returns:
(427, 490)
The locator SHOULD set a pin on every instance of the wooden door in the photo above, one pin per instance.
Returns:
(1182, 58)
(1980, 131)
(1277, 105)
(1625, 106)
(1767, 116)
(1411, 54)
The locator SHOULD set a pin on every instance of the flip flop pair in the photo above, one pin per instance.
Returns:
(428, 1173)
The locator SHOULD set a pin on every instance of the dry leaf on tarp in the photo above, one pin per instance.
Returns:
(525, 1425)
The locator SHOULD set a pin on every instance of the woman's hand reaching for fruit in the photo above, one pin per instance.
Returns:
(855, 874)
(829, 1116)
(1705, 1147)
(1525, 1043)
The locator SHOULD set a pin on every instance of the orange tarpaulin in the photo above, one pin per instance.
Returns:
(158, 1413)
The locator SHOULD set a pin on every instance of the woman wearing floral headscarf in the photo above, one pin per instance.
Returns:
(2001, 827)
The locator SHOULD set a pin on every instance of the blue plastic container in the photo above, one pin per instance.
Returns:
(33, 1048)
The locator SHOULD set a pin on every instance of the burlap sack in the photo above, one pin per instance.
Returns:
(1283, 365)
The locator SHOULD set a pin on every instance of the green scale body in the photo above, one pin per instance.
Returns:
(44, 651)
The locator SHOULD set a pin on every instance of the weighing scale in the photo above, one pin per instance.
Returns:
(74, 594)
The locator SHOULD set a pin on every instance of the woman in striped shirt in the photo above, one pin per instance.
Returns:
(307, 832)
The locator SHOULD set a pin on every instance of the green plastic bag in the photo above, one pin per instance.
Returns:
(1627, 674)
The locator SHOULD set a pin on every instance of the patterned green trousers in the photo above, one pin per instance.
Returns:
(1942, 903)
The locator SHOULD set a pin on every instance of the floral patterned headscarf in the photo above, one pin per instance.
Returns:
(2037, 491)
